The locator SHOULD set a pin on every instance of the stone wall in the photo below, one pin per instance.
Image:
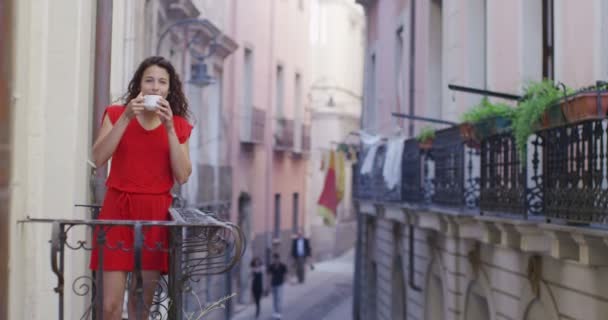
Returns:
(472, 269)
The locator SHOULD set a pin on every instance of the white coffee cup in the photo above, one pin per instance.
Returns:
(151, 101)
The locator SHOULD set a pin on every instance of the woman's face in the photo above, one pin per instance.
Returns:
(155, 80)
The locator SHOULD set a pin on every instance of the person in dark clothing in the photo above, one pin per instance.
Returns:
(257, 284)
(277, 271)
(300, 251)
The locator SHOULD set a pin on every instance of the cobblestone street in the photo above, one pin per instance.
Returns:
(326, 294)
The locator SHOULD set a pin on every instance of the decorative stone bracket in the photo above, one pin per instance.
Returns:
(583, 245)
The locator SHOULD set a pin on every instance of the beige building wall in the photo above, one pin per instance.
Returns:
(335, 102)
(52, 94)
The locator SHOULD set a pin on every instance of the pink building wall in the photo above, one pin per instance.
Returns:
(512, 51)
(277, 33)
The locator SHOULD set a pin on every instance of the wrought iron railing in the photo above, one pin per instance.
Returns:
(367, 183)
(253, 124)
(412, 187)
(284, 134)
(199, 245)
(378, 183)
(456, 183)
(503, 177)
(576, 178)
(306, 138)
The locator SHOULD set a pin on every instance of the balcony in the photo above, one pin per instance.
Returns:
(442, 177)
(563, 179)
(305, 138)
(252, 129)
(284, 135)
(199, 245)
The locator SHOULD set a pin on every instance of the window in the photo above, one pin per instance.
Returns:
(370, 101)
(277, 215)
(477, 57)
(477, 32)
(298, 95)
(248, 79)
(296, 204)
(399, 73)
(436, 88)
(548, 23)
(315, 21)
(298, 111)
(280, 92)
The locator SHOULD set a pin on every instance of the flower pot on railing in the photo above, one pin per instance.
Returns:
(552, 117)
(585, 106)
(502, 125)
(467, 133)
(425, 145)
(472, 134)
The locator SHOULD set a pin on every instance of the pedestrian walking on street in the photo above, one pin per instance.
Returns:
(300, 251)
(277, 271)
(147, 139)
(257, 283)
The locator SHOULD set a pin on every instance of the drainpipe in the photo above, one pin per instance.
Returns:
(101, 86)
(412, 65)
(6, 73)
(357, 285)
(412, 247)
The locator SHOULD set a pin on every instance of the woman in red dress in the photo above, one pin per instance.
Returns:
(149, 151)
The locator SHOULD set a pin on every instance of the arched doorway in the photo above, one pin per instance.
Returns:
(371, 273)
(434, 302)
(536, 311)
(398, 303)
(244, 221)
(477, 307)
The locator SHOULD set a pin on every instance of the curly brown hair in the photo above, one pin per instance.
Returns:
(176, 97)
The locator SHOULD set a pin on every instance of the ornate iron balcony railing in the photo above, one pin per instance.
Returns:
(576, 184)
(456, 171)
(199, 245)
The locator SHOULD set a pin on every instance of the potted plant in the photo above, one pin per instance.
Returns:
(587, 104)
(425, 138)
(537, 110)
(485, 119)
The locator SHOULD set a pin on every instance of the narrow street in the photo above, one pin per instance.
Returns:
(326, 294)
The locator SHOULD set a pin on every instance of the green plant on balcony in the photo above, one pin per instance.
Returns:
(486, 119)
(537, 109)
(486, 110)
(425, 138)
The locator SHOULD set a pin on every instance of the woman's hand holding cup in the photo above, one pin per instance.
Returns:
(164, 112)
(135, 106)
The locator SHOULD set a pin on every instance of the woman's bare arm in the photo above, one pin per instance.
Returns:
(180, 158)
(108, 139)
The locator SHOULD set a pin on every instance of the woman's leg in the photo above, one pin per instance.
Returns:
(257, 296)
(150, 279)
(113, 294)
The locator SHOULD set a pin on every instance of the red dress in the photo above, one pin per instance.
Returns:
(139, 187)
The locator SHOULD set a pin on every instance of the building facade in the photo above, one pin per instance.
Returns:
(335, 100)
(249, 149)
(269, 77)
(442, 245)
(48, 54)
(51, 94)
